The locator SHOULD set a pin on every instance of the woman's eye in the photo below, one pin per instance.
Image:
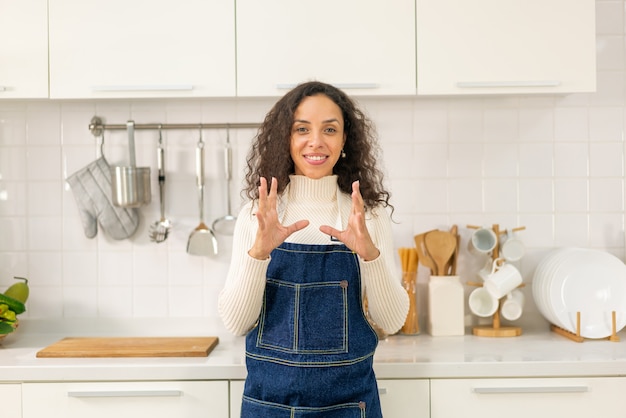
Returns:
(331, 130)
(301, 129)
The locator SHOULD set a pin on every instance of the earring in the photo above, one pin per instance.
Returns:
(343, 153)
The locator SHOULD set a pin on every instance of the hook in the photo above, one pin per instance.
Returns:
(200, 141)
(100, 143)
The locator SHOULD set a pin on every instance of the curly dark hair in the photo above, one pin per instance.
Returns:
(270, 154)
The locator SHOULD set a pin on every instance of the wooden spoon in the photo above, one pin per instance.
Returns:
(441, 246)
(422, 255)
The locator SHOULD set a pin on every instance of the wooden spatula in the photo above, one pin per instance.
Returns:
(423, 256)
(441, 246)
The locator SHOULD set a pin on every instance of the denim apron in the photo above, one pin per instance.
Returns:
(311, 353)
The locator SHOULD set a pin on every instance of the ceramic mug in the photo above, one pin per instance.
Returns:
(513, 305)
(482, 303)
(512, 249)
(503, 278)
(488, 268)
(482, 241)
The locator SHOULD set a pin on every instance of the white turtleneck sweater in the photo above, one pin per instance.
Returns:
(316, 201)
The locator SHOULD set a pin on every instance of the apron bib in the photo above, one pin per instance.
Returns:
(311, 353)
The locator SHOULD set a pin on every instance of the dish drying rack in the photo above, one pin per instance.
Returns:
(579, 338)
(496, 329)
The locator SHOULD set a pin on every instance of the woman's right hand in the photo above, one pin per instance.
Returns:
(271, 233)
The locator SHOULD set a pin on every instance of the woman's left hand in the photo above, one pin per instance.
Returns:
(356, 236)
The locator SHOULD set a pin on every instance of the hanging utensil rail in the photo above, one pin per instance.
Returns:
(97, 127)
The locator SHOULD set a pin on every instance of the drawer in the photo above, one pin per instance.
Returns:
(522, 398)
(126, 399)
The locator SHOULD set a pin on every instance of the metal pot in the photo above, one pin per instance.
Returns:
(130, 184)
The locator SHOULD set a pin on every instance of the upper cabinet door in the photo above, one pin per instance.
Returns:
(157, 48)
(367, 48)
(23, 49)
(505, 46)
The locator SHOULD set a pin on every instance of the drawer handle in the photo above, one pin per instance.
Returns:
(371, 86)
(382, 391)
(3, 88)
(163, 87)
(532, 389)
(521, 83)
(123, 393)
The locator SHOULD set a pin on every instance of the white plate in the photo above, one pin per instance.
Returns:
(541, 281)
(593, 283)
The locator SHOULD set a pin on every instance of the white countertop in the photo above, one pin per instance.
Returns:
(536, 353)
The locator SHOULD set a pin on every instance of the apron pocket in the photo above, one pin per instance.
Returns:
(251, 408)
(305, 318)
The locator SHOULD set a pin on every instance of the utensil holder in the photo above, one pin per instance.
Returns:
(411, 323)
(446, 314)
(130, 186)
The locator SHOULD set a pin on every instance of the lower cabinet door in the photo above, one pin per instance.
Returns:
(522, 398)
(405, 398)
(11, 400)
(126, 399)
(401, 398)
(236, 393)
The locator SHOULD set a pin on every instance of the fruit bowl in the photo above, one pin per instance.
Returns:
(15, 325)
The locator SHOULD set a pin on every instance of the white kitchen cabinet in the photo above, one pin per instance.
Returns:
(236, 394)
(522, 398)
(126, 399)
(367, 48)
(405, 398)
(505, 46)
(402, 398)
(118, 49)
(11, 400)
(23, 49)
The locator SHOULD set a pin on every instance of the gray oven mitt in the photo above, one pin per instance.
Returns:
(91, 186)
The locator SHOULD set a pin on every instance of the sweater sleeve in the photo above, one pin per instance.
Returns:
(239, 302)
(388, 302)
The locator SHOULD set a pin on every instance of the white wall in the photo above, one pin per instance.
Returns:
(554, 164)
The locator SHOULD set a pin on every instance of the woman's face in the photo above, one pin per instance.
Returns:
(317, 136)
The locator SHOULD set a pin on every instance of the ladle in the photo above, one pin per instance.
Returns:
(226, 224)
(441, 246)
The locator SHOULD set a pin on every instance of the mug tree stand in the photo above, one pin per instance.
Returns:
(496, 329)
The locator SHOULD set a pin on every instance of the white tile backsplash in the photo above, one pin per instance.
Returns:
(553, 164)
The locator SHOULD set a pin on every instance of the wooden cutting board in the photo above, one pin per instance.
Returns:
(131, 347)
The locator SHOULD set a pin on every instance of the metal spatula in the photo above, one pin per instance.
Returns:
(202, 240)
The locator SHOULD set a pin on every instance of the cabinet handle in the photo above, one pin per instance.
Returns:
(159, 87)
(532, 389)
(521, 83)
(382, 391)
(371, 86)
(123, 393)
(3, 88)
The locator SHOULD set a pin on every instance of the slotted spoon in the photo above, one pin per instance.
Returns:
(161, 228)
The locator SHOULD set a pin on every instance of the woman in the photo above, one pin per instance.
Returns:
(312, 242)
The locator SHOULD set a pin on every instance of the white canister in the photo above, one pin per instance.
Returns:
(446, 314)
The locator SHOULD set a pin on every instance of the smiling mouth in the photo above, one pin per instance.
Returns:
(316, 158)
